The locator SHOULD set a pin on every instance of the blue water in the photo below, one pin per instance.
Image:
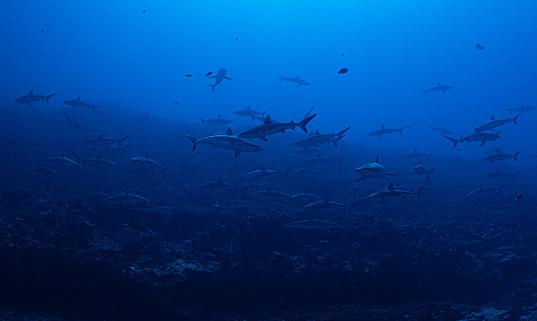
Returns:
(132, 57)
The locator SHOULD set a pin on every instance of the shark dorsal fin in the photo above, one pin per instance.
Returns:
(415, 150)
(219, 116)
(31, 92)
(377, 160)
(229, 132)
(311, 134)
(497, 170)
(146, 155)
(492, 117)
(391, 188)
(297, 77)
(248, 107)
(382, 127)
(220, 180)
(267, 120)
(439, 84)
(317, 132)
(78, 98)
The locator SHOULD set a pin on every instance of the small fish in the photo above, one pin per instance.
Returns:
(343, 71)
(479, 47)
(175, 103)
(208, 74)
(236, 38)
(342, 55)
(188, 75)
(143, 11)
(519, 197)
(42, 30)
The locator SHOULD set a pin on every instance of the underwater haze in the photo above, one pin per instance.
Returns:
(268, 160)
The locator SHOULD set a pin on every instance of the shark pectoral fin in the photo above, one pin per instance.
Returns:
(264, 138)
(237, 152)
(226, 77)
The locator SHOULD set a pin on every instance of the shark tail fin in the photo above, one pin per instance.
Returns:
(194, 142)
(302, 124)
(453, 140)
(203, 121)
(500, 188)
(119, 141)
(20, 171)
(281, 78)
(212, 86)
(164, 169)
(400, 130)
(426, 92)
(49, 96)
(516, 155)
(419, 192)
(510, 110)
(431, 127)
(340, 134)
(515, 118)
(69, 119)
(93, 107)
(429, 173)
(341, 158)
(288, 171)
(515, 174)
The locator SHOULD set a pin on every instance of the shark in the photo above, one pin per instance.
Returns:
(320, 161)
(127, 197)
(79, 125)
(105, 141)
(325, 204)
(216, 121)
(476, 137)
(501, 156)
(226, 141)
(372, 170)
(220, 75)
(392, 193)
(383, 131)
(316, 139)
(270, 128)
(487, 189)
(313, 225)
(439, 87)
(493, 123)
(523, 108)
(297, 80)
(441, 130)
(250, 112)
(499, 174)
(78, 103)
(220, 183)
(415, 154)
(420, 170)
(31, 97)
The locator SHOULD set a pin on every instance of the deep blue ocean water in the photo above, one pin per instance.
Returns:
(110, 211)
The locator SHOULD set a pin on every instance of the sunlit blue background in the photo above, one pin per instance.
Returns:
(113, 51)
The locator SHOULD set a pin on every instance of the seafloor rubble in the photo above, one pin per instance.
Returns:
(405, 261)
